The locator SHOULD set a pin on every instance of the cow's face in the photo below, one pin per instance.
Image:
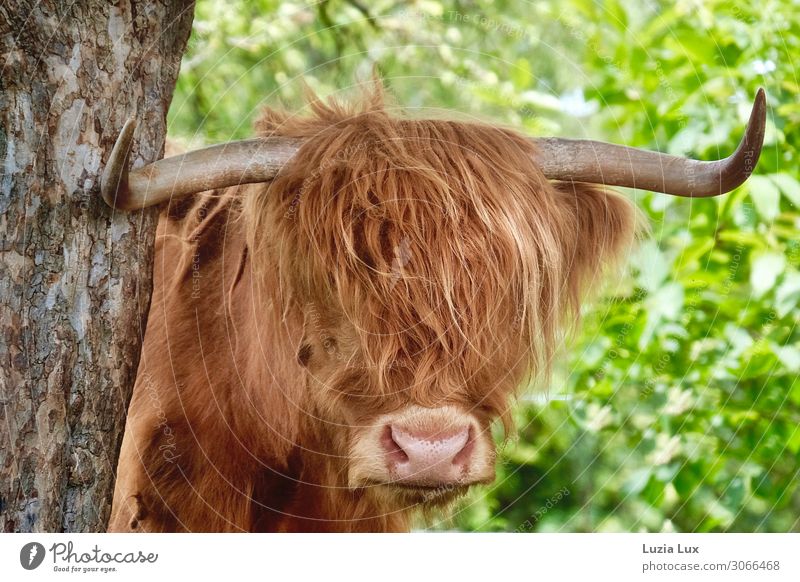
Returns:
(430, 264)
(419, 436)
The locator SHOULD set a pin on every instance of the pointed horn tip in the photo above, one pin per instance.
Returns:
(760, 105)
(756, 125)
(758, 115)
(114, 182)
(740, 165)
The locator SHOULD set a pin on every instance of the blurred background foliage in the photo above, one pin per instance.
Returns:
(677, 405)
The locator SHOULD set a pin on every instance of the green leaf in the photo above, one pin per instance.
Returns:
(738, 338)
(521, 73)
(699, 248)
(788, 294)
(637, 481)
(793, 444)
(789, 186)
(667, 302)
(789, 356)
(765, 196)
(652, 265)
(764, 272)
(756, 362)
(523, 454)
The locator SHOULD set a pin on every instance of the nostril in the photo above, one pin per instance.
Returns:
(463, 456)
(394, 451)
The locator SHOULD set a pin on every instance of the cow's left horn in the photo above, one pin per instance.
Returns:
(597, 162)
(218, 166)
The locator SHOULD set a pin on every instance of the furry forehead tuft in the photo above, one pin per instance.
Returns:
(440, 241)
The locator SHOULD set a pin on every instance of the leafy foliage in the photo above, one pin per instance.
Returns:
(677, 406)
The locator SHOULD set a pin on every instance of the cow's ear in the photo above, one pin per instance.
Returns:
(602, 228)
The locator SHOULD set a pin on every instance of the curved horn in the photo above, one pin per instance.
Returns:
(218, 166)
(260, 160)
(597, 162)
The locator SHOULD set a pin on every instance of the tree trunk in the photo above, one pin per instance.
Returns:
(75, 277)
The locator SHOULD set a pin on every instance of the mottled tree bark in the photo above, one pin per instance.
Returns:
(75, 277)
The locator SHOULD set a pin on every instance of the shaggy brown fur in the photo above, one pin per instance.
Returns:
(394, 262)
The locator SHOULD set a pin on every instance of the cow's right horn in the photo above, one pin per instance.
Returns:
(217, 166)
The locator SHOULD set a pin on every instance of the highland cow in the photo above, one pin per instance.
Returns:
(352, 301)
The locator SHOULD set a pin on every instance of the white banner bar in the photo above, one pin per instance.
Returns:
(402, 557)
